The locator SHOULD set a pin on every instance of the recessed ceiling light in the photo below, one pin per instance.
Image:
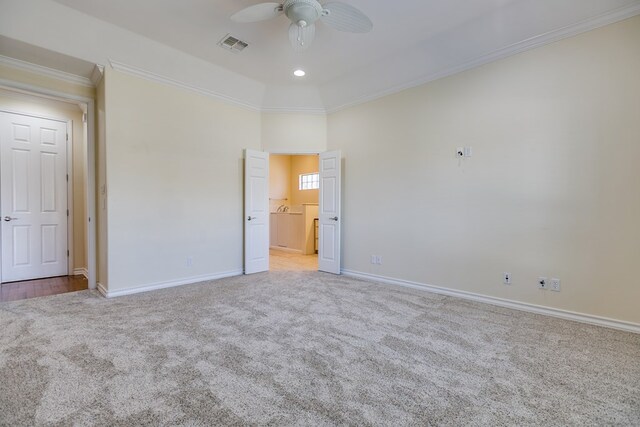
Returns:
(299, 73)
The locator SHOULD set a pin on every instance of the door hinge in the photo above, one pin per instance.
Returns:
(67, 252)
(67, 137)
(67, 177)
(67, 212)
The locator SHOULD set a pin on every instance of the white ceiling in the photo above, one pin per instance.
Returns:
(412, 40)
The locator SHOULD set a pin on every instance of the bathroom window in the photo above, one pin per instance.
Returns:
(309, 181)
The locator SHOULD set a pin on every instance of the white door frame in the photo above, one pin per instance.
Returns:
(70, 228)
(300, 153)
(90, 192)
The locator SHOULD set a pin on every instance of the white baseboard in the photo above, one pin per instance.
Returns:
(169, 284)
(101, 289)
(516, 305)
(81, 272)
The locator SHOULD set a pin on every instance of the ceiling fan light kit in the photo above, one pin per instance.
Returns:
(303, 15)
(302, 12)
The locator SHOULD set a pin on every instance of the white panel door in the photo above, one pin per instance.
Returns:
(256, 211)
(33, 200)
(329, 213)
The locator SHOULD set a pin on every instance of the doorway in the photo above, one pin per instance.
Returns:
(257, 212)
(294, 184)
(45, 193)
(33, 197)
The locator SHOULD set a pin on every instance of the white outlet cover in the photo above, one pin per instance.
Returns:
(506, 278)
(468, 151)
(555, 285)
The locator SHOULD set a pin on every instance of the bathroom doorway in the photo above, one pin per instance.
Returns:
(293, 212)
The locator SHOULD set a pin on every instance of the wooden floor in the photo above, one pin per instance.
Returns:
(288, 261)
(42, 287)
(279, 261)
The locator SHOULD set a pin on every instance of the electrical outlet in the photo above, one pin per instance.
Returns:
(189, 261)
(468, 151)
(555, 284)
(506, 278)
(373, 259)
(379, 260)
(542, 283)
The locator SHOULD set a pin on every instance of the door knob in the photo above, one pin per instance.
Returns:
(335, 218)
(8, 218)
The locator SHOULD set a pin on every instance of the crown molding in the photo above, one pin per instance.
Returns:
(593, 23)
(97, 74)
(310, 111)
(45, 71)
(148, 75)
(532, 43)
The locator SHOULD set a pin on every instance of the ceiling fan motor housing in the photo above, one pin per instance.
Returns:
(302, 12)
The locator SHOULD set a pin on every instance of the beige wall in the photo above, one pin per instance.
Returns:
(293, 133)
(284, 172)
(552, 188)
(20, 103)
(301, 165)
(174, 171)
(279, 181)
(101, 184)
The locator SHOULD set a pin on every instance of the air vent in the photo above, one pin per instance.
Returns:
(232, 43)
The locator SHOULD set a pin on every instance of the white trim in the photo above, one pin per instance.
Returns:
(534, 42)
(589, 24)
(90, 195)
(45, 71)
(168, 284)
(300, 110)
(37, 116)
(101, 289)
(81, 272)
(43, 92)
(148, 75)
(70, 228)
(516, 305)
(593, 23)
(97, 74)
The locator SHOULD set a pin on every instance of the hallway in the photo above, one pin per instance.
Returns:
(42, 287)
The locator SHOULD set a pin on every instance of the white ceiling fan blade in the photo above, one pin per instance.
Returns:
(301, 37)
(344, 17)
(258, 12)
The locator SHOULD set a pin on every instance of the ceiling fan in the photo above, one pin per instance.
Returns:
(303, 15)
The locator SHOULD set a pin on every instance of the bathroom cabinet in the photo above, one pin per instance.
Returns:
(293, 231)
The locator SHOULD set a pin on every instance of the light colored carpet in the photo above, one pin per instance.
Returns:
(306, 348)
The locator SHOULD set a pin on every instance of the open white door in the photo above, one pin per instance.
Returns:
(329, 213)
(34, 197)
(256, 211)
